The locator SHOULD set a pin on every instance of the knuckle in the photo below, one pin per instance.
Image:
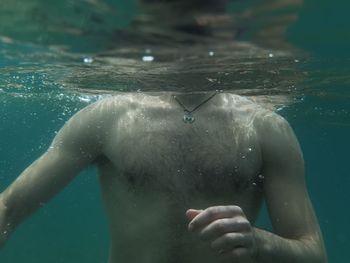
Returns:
(240, 236)
(243, 223)
(221, 225)
(236, 209)
(226, 240)
(211, 211)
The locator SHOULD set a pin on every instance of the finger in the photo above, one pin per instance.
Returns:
(212, 213)
(232, 241)
(220, 227)
(192, 213)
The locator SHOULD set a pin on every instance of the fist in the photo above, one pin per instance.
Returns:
(226, 229)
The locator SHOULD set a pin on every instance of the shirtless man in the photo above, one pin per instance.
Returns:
(181, 186)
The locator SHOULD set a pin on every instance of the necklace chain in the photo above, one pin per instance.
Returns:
(188, 117)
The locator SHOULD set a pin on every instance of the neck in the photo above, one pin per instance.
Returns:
(193, 99)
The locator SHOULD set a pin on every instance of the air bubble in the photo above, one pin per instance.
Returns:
(88, 60)
(147, 58)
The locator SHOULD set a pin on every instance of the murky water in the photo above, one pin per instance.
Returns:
(52, 65)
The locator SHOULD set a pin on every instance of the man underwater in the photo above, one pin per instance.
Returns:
(214, 157)
(183, 177)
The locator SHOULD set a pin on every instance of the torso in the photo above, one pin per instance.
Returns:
(156, 167)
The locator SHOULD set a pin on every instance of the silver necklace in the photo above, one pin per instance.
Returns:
(188, 114)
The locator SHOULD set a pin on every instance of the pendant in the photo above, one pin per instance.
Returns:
(188, 117)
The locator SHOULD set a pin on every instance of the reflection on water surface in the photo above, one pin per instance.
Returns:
(102, 46)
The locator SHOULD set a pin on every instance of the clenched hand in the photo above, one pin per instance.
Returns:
(227, 230)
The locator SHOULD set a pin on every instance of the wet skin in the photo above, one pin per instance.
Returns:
(180, 192)
(156, 167)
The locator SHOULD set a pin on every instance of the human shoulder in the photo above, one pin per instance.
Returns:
(106, 108)
(252, 112)
(273, 132)
(107, 104)
(269, 123)
(93, 120)
(276, 136)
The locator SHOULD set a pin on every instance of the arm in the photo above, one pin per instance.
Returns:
(297, 237)
(76, 145)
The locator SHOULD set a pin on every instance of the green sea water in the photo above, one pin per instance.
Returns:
(52, 65)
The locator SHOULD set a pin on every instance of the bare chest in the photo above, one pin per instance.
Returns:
(214, 155)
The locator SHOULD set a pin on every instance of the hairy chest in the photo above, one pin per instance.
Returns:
(186, 159)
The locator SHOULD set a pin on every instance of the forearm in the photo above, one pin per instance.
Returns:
(36, 185)
(5, 226)
(273, 248)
